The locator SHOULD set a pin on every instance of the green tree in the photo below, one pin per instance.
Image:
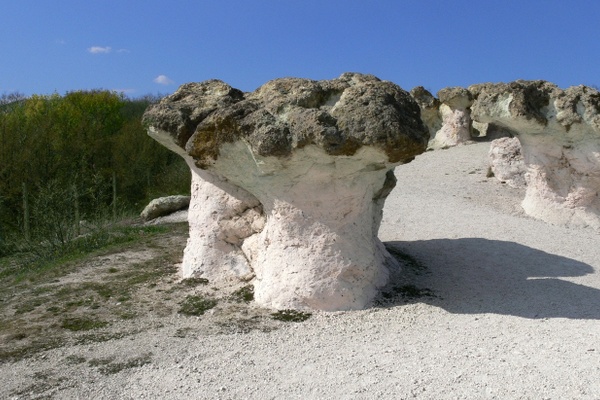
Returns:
(81, 146)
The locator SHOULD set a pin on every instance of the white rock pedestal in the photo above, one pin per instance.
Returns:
(319, 247)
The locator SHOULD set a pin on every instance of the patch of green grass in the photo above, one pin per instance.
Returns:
(196, 305)
(44, 265)
(291, 316)
(182, 332)
(39, 308)
(75, 359)
(17, 336)
(127, 315)
(99, 337)
(108, 366)
(104, 290)
(55, 310)
(77, 324)
(408, 292)
(16, 352)
(145, 272)
(29, 305)
(243, 295)
(191, 282)
(42, 382)
(243, 325)
(98, 362)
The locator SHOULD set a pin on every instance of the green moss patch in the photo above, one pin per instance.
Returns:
(291, 316)
(196, 305)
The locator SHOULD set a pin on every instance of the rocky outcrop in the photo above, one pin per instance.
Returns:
(483, 132)
(289, 183)
(556, 150)
(430, 110)
(448, 117)
(456, 118)
(559, 133)
(164, 206)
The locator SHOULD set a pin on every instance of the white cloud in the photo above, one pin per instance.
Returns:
(123, 51)
(163, 80)
(100, 50)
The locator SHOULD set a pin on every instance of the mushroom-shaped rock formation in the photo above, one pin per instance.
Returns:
(456, 117)
(289, 183)
(559, 131)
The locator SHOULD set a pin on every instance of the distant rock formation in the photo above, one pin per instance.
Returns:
(556, 152)
(559, 134)
(289, 183)
(164, 206)
(448, 118)
(456, 118)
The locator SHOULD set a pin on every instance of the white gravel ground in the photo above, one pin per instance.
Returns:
(516, 316)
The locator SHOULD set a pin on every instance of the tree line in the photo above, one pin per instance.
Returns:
(82, 156)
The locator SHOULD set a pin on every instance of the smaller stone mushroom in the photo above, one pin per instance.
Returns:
(456, 117)
(290, 182)
(559, 133)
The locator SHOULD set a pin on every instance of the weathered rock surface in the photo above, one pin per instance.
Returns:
(430, 110)
(448, 117)
(290, 181)
(506, 162)
(164, 206)
(559, 131)
(488, 132)
(456, 118)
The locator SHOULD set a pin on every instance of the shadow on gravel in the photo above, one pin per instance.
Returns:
(472, 275)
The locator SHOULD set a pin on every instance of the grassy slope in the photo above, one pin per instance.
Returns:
(126, 283)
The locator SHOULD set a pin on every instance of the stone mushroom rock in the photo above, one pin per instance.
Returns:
(456, 118)
(289, 183)
(559, 132)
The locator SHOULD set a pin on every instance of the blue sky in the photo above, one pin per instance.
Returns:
(149, 46)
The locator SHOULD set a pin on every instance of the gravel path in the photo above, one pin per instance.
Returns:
(515, 314)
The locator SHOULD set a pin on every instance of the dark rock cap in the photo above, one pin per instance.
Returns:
(424, 98)
(528, 97)
(339, 115)
(530, 100)
(455, 97)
